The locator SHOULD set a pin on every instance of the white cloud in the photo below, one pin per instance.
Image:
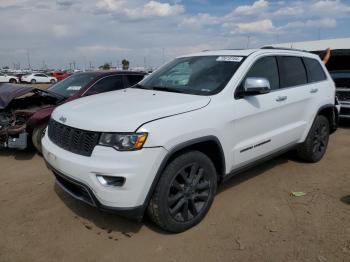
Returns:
(98, 49)
(201, 20)
(110, 5)
(154, 8)
(317, 23)
(330, 7)
(148, 10)
(262, 26)
(60, 30)
(289, 11)
(256, 7)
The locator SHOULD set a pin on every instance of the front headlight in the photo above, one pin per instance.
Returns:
(123, 141)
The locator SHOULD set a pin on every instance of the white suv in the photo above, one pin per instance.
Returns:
(165, 144)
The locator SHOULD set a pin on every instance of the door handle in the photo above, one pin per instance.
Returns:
(281, 98)
(313, 90)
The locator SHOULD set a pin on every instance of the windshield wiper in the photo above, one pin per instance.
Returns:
(160, 88)
(168, 89)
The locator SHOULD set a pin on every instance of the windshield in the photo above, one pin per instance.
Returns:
(71, 85)
(200, 75)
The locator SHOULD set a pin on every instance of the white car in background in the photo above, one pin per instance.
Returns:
(8, 79)
(38, 78)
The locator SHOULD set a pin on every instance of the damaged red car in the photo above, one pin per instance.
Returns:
(25, 111)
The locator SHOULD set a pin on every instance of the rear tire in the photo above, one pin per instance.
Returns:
(13, 81)
(38, 134)
(33, 81)
(52, 81)
(184, 192)
(315, 145)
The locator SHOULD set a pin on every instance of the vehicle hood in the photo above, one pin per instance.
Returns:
(8, 92)
(125, 110)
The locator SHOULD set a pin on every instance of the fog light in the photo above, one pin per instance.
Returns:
(111, 180)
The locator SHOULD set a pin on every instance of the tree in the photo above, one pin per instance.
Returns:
(105, 66)
(125, 64)
(5, 67)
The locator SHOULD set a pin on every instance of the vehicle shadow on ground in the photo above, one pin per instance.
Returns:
(100, 221)
(344, 123)
(114, 223)
(259, 169)
(18, 154)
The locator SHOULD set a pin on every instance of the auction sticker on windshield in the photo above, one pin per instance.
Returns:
(74, 88)
(229, 59)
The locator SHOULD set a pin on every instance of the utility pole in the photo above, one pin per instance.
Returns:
(28, 60)
(248, 41)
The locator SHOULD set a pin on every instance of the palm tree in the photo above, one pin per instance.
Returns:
(125, 64)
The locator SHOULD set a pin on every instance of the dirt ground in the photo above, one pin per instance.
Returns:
(253, 218)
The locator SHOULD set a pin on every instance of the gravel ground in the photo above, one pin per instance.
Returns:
(253, 217)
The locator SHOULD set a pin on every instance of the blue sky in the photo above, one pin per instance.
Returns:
(58, 32)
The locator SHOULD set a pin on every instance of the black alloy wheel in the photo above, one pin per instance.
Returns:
(184, 193)
(189, 193)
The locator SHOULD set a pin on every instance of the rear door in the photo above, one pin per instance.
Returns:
(267, 123)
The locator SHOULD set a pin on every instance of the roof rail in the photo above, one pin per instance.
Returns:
(284, 48)
(228, 49)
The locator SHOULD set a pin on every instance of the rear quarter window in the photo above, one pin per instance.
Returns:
(314, 70)
(292, 71)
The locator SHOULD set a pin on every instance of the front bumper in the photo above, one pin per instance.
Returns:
(83, 193)
(139, 169)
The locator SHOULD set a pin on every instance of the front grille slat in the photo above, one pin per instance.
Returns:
(72, 139)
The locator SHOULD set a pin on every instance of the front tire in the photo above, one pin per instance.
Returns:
(13, 81)
(52, 81)
(38, 134)
(315, 145)
(184, 192)
(33, 81)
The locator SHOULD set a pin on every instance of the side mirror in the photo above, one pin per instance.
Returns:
(256, 86)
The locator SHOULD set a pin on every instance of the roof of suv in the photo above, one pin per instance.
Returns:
(247, 52)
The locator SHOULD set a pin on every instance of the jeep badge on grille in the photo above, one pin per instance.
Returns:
(63, 119)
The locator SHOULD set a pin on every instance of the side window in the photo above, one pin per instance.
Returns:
(110, 83)
(266, 67)
(314, 70)
(134, 79)
(292, 71)
(37, 75)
